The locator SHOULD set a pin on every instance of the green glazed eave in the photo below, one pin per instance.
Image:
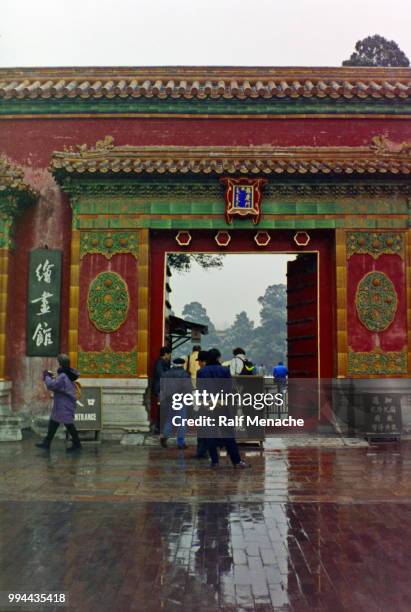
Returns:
(208, 106)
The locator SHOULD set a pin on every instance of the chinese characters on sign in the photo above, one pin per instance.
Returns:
(43, 308)
(383, 414)
(243, 198)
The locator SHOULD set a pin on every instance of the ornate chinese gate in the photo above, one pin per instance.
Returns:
(327, 149)
(351, 297)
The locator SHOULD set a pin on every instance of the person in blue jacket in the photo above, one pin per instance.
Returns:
(214, 370)
(280, 374)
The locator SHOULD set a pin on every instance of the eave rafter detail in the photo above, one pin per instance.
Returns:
(381, 157)
(206, 83)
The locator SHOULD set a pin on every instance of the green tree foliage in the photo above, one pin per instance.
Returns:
(239, 334)
(195, 312)
(265, 344)
(182, 262)
(377, 51)
(269, 343)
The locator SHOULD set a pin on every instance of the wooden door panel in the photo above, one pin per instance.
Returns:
(302, 338)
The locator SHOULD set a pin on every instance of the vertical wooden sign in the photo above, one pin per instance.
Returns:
(43, 307)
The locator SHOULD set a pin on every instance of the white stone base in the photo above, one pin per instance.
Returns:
(124, 405)
(10, 423)
(10, 429)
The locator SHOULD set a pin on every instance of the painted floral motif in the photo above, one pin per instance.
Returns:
(108, 362)
(375, 244)
(376, 301)
(108, 301)
(376, 362)
(108, 243)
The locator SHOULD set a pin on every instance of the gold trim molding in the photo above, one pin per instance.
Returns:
(143, 303)
(341, 288)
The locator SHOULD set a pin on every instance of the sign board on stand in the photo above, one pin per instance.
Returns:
(88, 415)
(383, 415)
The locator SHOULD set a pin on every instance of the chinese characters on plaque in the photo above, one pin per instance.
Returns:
(243, 198)
(43, 308)
(383, 414)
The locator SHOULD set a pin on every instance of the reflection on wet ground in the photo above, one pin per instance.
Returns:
(148, 529)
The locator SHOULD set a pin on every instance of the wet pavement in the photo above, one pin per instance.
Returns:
(132, 528)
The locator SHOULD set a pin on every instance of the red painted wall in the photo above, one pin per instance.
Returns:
(125, 338)
(31, 141)
(394, 338)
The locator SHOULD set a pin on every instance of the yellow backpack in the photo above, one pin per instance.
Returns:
(77, 389)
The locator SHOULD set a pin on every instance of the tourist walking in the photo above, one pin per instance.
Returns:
(280, 374)
(202, 447)
(261, 371)
(237, 362)
(64, 402)
(174, 380)
(240, 365)
(222, 382)
(160, 367)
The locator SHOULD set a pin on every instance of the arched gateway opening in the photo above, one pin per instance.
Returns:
(309, 311)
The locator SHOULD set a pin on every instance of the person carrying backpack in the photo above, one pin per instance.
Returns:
(240, 365)
(66, 390)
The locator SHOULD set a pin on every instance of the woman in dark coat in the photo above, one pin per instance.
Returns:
(64, 404)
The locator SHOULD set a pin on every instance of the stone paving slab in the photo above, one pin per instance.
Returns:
(309, 474)
(271, 441)
(313, 440)
(144, 528)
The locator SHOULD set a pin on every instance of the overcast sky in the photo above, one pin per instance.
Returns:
(194, 32)
(233, 288)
